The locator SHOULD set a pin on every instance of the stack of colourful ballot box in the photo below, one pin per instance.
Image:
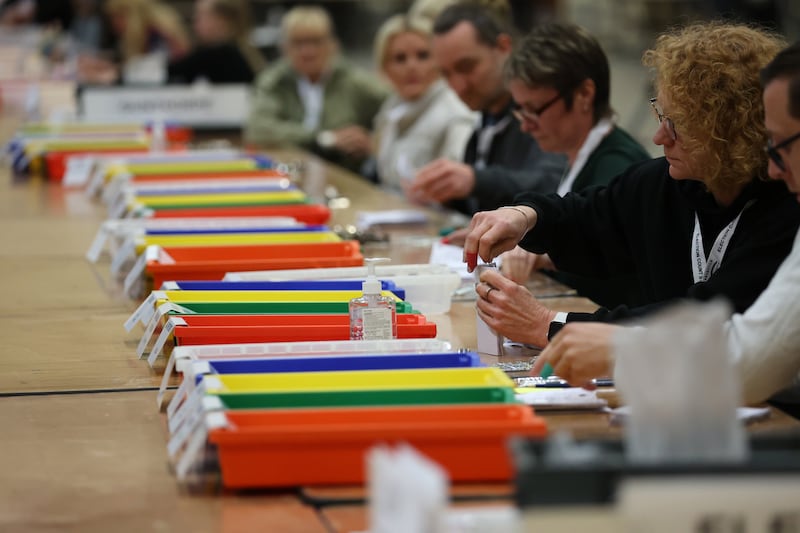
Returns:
(46, 148)
(272, 391)
(209, 203)
(280, 397)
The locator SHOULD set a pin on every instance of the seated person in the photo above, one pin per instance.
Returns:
(312, 98)
(764, 341)
(223, 53)
(701, 222)
(149, 34)
(422, 119)
(559, 78)
(471, 45)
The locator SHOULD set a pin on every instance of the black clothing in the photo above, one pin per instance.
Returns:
(223, 63)
(514, 164)
(642, 225)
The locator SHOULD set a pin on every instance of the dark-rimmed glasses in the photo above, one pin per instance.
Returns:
(524, 114)
(662, 118)
(772, 151)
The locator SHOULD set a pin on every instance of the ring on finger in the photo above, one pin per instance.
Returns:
(486, 296)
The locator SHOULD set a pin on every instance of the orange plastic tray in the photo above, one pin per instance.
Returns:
(306, 213)
(278, 448)
(213, 262)
(234, 329)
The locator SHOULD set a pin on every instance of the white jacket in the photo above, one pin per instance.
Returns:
(411, 134)
(764, 342)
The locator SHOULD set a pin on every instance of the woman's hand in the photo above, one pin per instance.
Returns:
(511, 310)
(579, 353)
(494, 232)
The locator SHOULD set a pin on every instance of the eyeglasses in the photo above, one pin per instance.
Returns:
(524, 114)
(772, 151)
(662, 118)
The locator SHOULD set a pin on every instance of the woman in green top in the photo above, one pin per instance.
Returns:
(559, 79)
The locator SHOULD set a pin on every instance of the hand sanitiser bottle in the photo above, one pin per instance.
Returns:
(372, 316)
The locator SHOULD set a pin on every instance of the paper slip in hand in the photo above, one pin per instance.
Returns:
(745, 414)
(543, 399)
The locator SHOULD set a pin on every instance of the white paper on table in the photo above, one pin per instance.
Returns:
(745, 414)
(367, 219)
(451, 256)
(544, 399)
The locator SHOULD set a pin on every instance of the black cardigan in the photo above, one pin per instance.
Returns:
(642, 225)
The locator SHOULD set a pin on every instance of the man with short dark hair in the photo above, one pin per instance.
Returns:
(472, 44)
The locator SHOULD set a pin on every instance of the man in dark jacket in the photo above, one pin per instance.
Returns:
(472, 44)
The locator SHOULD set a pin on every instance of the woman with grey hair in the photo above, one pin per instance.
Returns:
(423, 119)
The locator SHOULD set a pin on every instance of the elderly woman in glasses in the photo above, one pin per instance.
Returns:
(559, 79)
(701, 222)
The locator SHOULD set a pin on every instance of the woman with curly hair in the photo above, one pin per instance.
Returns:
(701, 222)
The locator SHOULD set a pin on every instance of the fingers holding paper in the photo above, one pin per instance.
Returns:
(491, 233)
(511, 310)
(580, 353)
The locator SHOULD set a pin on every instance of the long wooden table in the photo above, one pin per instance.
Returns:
(84, 445)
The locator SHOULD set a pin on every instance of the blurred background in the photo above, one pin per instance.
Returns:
(624, 27)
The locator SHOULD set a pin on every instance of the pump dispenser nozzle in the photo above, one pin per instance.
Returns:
(372, 285)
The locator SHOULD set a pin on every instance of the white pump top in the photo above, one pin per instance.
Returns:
(372, 284)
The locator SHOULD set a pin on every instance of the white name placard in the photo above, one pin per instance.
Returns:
(196, 105)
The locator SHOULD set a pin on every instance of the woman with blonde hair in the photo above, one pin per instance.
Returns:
(147, 26)
(423, 119)
(223, 53)
(701, 222)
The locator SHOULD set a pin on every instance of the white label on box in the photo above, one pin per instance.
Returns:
(148, 333)
(186, 408)
(166, 331)
(122, 255)
(145, 310)
(79, 170)
(98, 244)
(119, 208)
(97, 180)
(180, 394)
(725, 503)
(136, 274)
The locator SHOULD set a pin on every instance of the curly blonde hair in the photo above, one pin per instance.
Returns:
(709, 73)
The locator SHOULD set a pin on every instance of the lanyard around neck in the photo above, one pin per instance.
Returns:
(704, 267)
(593, 140)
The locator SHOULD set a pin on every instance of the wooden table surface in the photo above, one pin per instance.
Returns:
(84, 445)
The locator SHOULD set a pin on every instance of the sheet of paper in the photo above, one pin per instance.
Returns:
(744, 414)
(560, 399)
(367, 219)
